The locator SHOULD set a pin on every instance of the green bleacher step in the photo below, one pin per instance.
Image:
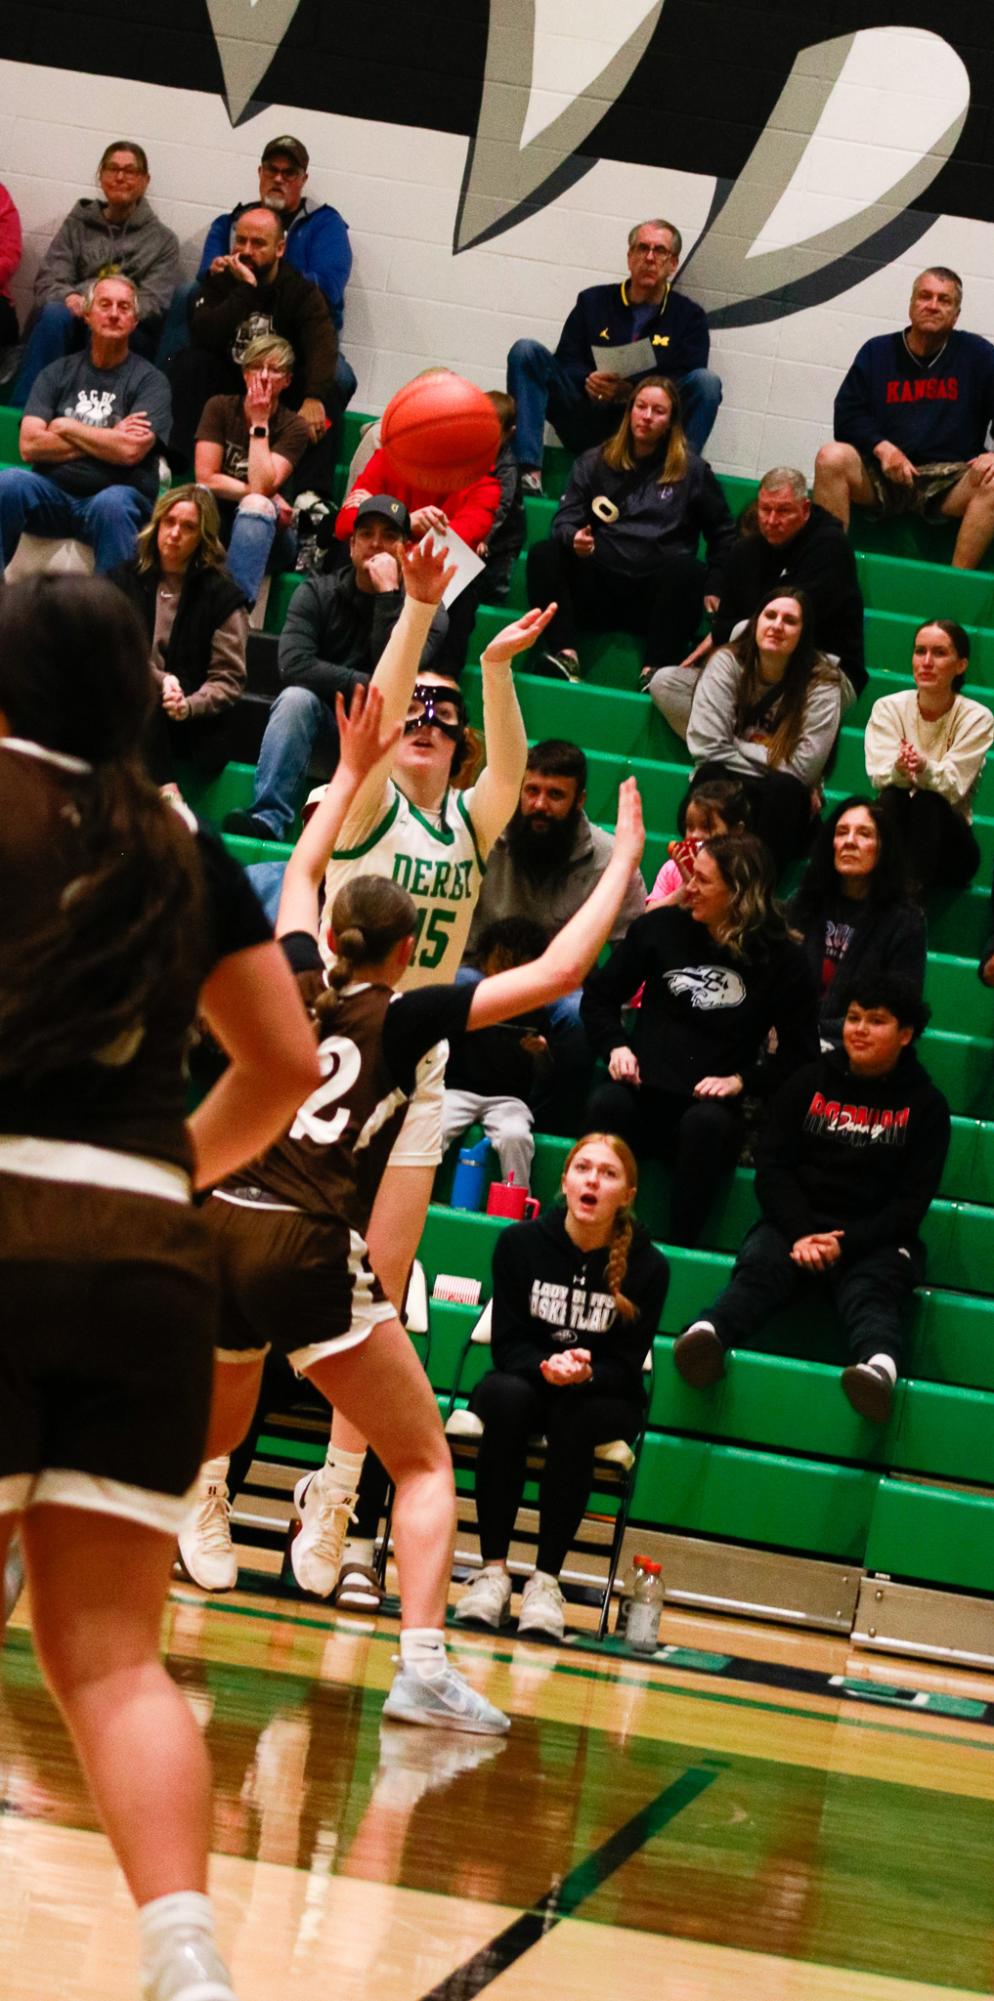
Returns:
(697, 1487)
(933, 1535)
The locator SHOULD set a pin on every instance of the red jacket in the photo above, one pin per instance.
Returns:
(470, 512)
(10, 240)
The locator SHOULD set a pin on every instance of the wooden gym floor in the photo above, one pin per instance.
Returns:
(730, 1822)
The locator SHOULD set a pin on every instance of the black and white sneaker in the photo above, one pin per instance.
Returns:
(565, 664)
(869, 1390)
(699, 1356)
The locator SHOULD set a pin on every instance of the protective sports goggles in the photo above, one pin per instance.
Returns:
(441, 707)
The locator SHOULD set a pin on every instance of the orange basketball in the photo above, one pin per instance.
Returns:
(440, 431)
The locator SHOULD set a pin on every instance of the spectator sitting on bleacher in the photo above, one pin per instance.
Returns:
(767, 712)
(492, 1078)
(925, 751)
(118, 232)
(498, 548)
(719, 972)
(542, 868)
(847, 1166)
(719, 806)
(577, 1299)
(10, 257)
(623, 549)
(911, 423)
(90, 435)
(195, 620)
(854, 913)
(472, 513)
(583, 399)
(792, 544)
(247, 447)
(251, 292)
(336, 629)
(317, 245)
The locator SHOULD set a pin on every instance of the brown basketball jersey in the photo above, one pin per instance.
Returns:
(131, 1099)
(333, 1157)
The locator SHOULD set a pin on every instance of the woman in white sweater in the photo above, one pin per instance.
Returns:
(925, 750)
(766, 711)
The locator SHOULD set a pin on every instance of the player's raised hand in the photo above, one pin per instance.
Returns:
(517, 638)
(629, 832)
(364, 741)
(427, 574)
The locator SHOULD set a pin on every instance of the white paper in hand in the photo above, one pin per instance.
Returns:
(637, 357)
(468, 563)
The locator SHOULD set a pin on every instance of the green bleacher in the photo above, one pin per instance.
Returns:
(774, 1458)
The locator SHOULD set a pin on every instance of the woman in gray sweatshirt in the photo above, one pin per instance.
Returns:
(766, 711)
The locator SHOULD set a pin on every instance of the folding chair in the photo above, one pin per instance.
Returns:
(616, 1463)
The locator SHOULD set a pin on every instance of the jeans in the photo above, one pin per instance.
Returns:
(698, 1138)
(541, 386)
(250, 545)
(56, 333)
(108, 520)
(295, 719)
(267, 881)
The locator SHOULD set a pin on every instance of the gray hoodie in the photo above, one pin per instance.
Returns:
(509, 892)
(146, 251)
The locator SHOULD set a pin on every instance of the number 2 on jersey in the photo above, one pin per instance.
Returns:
(340, 1066)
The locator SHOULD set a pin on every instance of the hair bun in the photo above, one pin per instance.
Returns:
(352, 943)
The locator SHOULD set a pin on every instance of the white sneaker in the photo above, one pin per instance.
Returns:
(487, 1601)
(205, 1545)
(190, 1970)
(316, 1549)
(443, 1702)
(542, 1608)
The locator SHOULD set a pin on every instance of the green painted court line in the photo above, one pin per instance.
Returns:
(712, 1695)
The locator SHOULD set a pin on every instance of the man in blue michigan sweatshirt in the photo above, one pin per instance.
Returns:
(911, 423)
(585, 402)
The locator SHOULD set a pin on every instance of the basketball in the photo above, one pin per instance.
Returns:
(440, 431)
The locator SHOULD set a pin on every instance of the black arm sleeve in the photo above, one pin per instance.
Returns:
(415, 1022)
(301, 951)
(900, 1219)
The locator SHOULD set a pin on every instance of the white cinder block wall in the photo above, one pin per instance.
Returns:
(412, 302)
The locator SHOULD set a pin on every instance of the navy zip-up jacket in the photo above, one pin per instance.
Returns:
(605, 316)
(935, 411)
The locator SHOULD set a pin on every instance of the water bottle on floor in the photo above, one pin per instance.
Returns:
(642, 1606)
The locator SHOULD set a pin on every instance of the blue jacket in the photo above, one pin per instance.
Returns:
(935, 411)
(604, 315)
(317, 245)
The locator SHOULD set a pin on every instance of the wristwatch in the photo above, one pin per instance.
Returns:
(260, 430)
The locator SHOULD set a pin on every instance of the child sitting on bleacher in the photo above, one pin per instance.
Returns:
(492, 1078)
(847, 1165)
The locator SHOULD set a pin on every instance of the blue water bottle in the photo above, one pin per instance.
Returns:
(470, 1176)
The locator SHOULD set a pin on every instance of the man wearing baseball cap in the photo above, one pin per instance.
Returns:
(316, 244)
(336, 629)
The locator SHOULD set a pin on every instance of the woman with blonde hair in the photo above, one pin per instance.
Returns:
(577, 1297)
(196, 624)
(623, 550)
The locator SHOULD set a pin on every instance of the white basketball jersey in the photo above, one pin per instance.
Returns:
(439, 865)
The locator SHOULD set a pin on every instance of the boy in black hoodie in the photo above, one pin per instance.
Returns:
(848, 1164)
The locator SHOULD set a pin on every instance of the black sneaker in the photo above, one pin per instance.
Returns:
(240, 822)
(565, 664)
(869, 1390)
(699, 1356)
